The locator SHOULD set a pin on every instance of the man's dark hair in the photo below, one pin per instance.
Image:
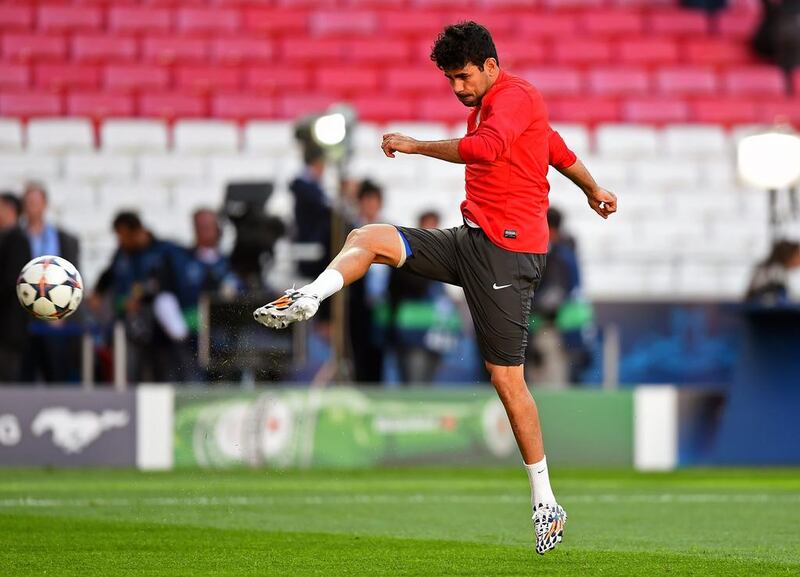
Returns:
(461, 44)
(554, 218)
(429, 214)
(782, 252)
(128, 220)
(369, 188)
(12, 200)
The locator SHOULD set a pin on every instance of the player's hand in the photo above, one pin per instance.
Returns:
(602, 201)
(396, 142)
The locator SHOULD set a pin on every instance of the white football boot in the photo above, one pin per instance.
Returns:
(548, 524)
(292, 307)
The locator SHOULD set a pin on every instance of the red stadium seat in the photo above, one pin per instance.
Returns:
(27, 103)
(570, 4)
(343, 23)
(739, 24)
(754, 80)
(519, 53)
(291, 23)
(580, 51)
(584, 110)
(306, 3)
(419, 79)
(513, 5)
(67, 76)
(345, 80)
(618, 82)
(170, 105)
(14, 75)
(611, 22)
(556, 81)
(266, 79)
(26, 47)
(212, 20)
(687, 81)
(535, 26)
(648, 51)
(724, 111)
(717, 52)
(381, 108)
(441, 4)
(377, 51)
(502, 24)
(413, 24)
(16, 17)
(297, 50)
(143, 77)
(241, 49)
(292, 106)
(677, 22)
(175, 49)
(103, 48)
(442, 109)
(779, 111)
(203, 79)
(239, 106)
(139, 19)
(100, 105)
(655, 111)
(69, 17)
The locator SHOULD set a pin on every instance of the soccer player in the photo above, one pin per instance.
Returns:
(498, 254)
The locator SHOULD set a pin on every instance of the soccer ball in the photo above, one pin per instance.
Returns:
(50, 288)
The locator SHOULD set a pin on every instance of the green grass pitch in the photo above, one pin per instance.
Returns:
(420, 522)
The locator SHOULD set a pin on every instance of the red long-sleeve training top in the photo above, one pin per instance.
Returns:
(507, 149)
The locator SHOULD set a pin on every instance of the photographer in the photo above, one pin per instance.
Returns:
(142, 283)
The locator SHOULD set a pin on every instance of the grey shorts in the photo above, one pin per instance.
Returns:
(498, 284)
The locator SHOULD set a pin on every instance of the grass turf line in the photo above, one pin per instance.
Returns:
(127, 523)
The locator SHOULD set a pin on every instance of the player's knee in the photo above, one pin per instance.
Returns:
(357, 237)
(508, 386)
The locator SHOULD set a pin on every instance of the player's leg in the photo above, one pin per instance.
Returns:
(498, 285)
(548, 516)
(509, 382)
(370, 244)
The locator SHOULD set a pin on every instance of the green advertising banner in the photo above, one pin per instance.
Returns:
(348, 427)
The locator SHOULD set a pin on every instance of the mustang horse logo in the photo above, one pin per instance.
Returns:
(73, 432)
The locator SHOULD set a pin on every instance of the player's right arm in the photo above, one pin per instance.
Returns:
(602, 201)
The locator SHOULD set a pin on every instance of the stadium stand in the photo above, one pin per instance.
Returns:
(159, 104)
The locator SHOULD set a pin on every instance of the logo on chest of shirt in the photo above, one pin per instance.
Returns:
(508, 233)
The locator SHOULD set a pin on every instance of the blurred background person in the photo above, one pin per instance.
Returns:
(15, 252)
(419, 312)
(53, 350)
(312, 210)
(777, 38)
(558, 348)
(142, 270)
(367, 335)
(203, 270)
(769, 284)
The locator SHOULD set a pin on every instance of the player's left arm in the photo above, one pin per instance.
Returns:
(441, 149)
(602, 201)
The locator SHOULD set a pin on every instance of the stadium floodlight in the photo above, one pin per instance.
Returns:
(330, 129)
(771, 160)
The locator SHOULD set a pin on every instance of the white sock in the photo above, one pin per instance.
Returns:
(328, 283)
(541, 493)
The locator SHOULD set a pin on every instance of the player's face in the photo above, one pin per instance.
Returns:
(470, 83)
